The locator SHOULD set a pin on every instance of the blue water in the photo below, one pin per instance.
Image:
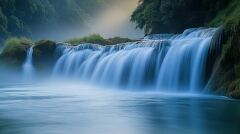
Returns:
(81, 109)
(162, 62)
(28, 68)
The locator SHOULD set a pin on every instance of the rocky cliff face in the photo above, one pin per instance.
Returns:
(226, 79)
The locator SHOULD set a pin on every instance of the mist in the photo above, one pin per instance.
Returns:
(115, 21)
(109, 22)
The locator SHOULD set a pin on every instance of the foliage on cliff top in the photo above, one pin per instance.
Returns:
(98, 39)
(228, 17)
(14, 51)
(12, 44)
(93, 38)
(157, 16)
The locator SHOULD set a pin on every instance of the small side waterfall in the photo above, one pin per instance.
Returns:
(28, 68)
(163, 62)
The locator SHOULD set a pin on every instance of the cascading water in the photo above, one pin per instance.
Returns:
(28, 68)
(162, 62)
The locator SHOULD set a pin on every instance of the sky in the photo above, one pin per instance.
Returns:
(115, 21)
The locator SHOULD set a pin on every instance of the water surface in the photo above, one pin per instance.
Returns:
(74, 109)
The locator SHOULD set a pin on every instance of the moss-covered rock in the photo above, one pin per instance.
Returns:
(15, 51)
(93, 38)
(98, 39)
(118, 40)
(43, 54)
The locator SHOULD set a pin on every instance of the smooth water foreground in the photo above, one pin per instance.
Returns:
(77, 109)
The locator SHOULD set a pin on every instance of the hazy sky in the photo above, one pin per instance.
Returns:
(110, 22)
(115, 21)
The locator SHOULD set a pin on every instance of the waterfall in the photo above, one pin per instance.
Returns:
(28, 68)
(164, 62)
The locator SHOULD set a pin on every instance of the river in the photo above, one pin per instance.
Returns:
(55, 108)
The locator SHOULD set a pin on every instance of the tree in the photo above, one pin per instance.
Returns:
(155, 16)
(22, 17)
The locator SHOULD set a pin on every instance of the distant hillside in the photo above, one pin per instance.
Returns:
(34, 17)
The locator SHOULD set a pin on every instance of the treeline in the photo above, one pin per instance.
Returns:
(25, 17)
(160, 16)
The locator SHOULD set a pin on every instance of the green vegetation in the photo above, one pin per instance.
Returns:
(156, 16)
(98, 39)
(172, 16)
(27, 17)
(14, 52)
(228, 17)
(227, 78)
(94, 38)
(13, 43)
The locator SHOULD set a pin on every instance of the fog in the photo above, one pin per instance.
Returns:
(115, 21)
(110, 22)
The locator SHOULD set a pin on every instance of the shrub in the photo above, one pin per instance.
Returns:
(174, 16)
(93, 38)
(229, 17)
(12, 44)
(15, 50)
(98, 39)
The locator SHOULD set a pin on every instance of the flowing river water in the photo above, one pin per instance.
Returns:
(75, 108)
